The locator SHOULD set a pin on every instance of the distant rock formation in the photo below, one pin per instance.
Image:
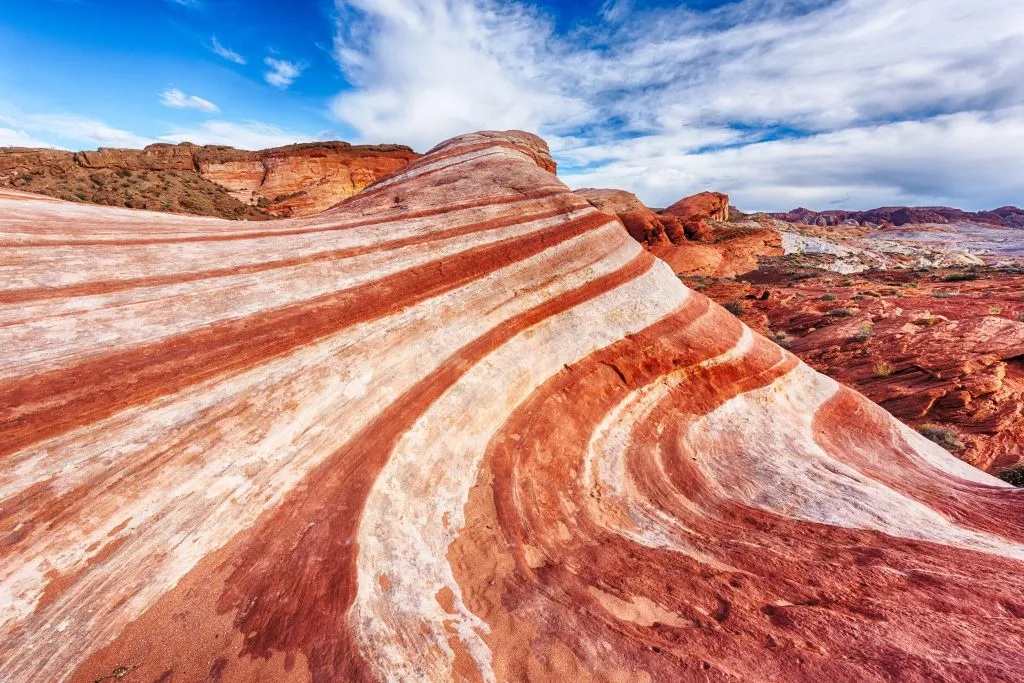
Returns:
(712, 206)
(297, 180)
(1005, 217)
(693, 235)
(459, 427)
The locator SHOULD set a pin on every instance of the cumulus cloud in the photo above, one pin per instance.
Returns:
(282, 72)
(773, 101)
(243, 135)
(179, 100)
(228, 54)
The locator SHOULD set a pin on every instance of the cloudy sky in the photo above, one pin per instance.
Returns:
(780, 103)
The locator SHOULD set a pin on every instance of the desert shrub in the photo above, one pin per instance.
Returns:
(913, 285)
(781, 338)
(828, 296)
(960, 277)
(944, 436)
(123, 173)
(25, 178)
(995, 310)
(1020, 317)
(841, 312)
(1014, 477)
(884, 369)
(945, 295)
(871, 294)
(848, 282)
(864, 332)
(735, 307)
(858, 297)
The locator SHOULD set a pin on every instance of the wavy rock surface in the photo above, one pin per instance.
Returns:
(460, 427)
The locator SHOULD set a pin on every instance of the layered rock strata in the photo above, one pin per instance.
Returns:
(297, 180)
(461, 427)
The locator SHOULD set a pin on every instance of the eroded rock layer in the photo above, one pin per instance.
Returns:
(462, 427)
(211, 180)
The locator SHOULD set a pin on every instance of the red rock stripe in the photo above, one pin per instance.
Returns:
(109, 286)
(308, 543)
(45, 405)
(799, 589)
(983, 508)
(332, 226)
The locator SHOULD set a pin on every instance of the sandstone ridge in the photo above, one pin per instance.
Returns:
(460, 427)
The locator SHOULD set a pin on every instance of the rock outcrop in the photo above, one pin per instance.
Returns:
(943, 349)
(692, 236)
(712, 206)
(460, 427)
(297, 180)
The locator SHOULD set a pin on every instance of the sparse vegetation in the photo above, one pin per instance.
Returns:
(828, 296)
(945, 295)
(864, 332)
(960, 277)
(884, 369)
(781, 338)
(1014, 477)
(841, 313)
(995, 310)
(736, 308)
(944, 436)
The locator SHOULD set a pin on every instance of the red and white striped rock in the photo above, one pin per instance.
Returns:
(462, 427)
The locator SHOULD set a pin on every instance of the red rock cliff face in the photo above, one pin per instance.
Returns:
(298, 180)
(691, 236)
(302, 180)
(462, 426)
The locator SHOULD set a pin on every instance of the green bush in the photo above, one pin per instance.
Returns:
(1014, 477)
(944, 436)
(884, 369)
(735, 307)
(864, 332)
(960, 277)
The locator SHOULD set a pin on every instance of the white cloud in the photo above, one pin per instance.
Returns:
(648, 100)
(425, 70)
(282, 72)
(228, 54)
(179, 100)
(83, 132)
(243, 135)
(969, 159)
(11, 137)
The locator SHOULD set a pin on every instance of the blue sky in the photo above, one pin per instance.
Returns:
(822, 103)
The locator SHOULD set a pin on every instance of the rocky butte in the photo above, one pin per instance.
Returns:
(297, 180)
(460, 427)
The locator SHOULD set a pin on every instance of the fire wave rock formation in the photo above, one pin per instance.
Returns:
(462, 427)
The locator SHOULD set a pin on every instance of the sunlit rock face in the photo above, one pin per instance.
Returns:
(461, 427)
